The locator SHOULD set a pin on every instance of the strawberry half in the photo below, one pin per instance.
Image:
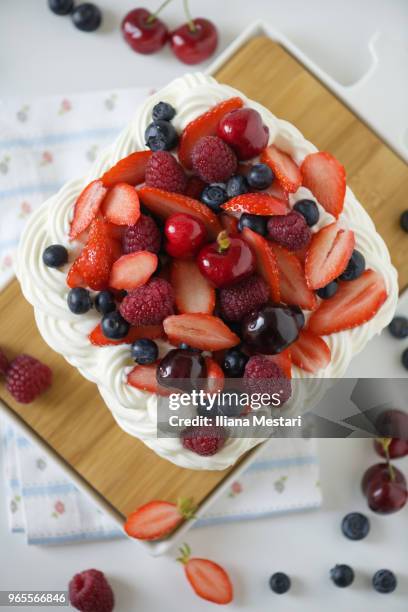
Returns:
(121, 205)
(293, 286)
(326, 179)
(310, 352)
(87, 207)
(158, 518)
(93, 265)
(284, 168)
(208, 579)
(193, 292)
(215, 376)
(256, 204)
(130, 169)
(265, 261)
(132, 270)
(164, 204)
(205, 125)
(144, 378)
(97, 338)
(201, 331)
(328, 255)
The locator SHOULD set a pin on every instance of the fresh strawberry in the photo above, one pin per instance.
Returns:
(87, 207)
(115, 231)
(284, 361)
(208, 579)
(93, 265)
(74, 276)
(293, 286)
(158, 518)
(193, 292)
(326, 179)
(204, 125)
(97, 338)
(201, 331)
(256, 204)
(130, 170)
(328, 255)
(229, 224)
(310, 352)
(355, 303)
(215, 376)
(144, 378)
(164, 204)
(265, 261)
(277, 191)
(132, 270)
(284, 168)
(121, 205)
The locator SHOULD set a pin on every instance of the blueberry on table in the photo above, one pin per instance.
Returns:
(384, 581)
(114, 326)
(163, 112)
(55, 256)
(404, 221)
(280, 583)
(325, 293)
(342, 575)
(105, 302)
(144, 351)
(309, 210)
(399, 327)
(260, 176)
(61, 7)
(213, 196)
(256, 223)
(237, 185)
(355, 526)
(355, 267)
(79, 300)
(161, 136)
(234, 363)
(86, 17)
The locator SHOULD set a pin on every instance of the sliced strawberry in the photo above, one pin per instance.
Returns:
(132, 270)
(265, 261)
(208, 579)
(97, 338)
(144, 378)
(310, 352)
(215, 376)
(284, 361)
(328, 255)
(256, 204)
(93, 265)
(293, 286)
(201, 331)
(193, 292)
(158, 518)
(74, 276)
(284, 168)
(277, 191)
(326, 179)
(87, 207)
(130, 169)
(164, 204)
(121, 205)
(230, 224)
(204, 125)
(355, 303)
(115, 231)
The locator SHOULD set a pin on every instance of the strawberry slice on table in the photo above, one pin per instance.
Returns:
(132, 270)
(121, 205)
(256, 204)
(310, 352)
(144, 378)
(157, 519)
(215, 376)
(209, 580)
(201, 331)
(324, 175)
(97, 338)
(92, 267)
(284, 168)
(204, 125)
(192, 292)
(328, 255)
(293, 286)
(164, 204)
(265, 261)
(284, 361)
(87, 207)
(130, 169)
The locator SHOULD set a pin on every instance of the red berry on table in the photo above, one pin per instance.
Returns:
(185, 235)
(143, 31)
(396, 448)
(380, 471)
(290, 231)
(213, 160)
(164, 172)
(206, 440)
(193, 292)
(326, 179)
(209, 580)
(89, 590)
(201, 331)
(132, 270)
(392, 423)
(385, 495)
(194, 41)
(148, 304)
(4, 363)
(244, 130)
(27, 378)
(226, 261)
(157, 519)
(284, 168)
(143, 236)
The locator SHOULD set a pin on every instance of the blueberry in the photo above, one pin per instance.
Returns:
(61, 7)
(279, 583)
(256, 223)
(260, 176)
(79, 300)
(144, 351)
(399, 327)
(161, 136)
(163, 111)
(342, 575)
(384, 581)
(234, 363)
(213, 196)
(355, 267)
(404, 359)
(87, 17)
(404, 221)
(309, 210)
(328, 291)
(105, 302)
(55, 256)
(114, 326)
(237, 185)
(355, 526)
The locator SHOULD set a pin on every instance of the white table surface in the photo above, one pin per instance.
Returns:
(42, 54)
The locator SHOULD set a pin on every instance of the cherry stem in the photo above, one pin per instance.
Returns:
(385, 442)
(190, 20)
(154, 16)
(223, 241)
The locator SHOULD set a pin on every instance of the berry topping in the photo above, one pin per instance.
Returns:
(201, 331)
(130, 170)
(105, 302)
(148, 304)
(325, 293)
(97, 337)
(266, 264)
(205, 441)
(260, 176)
(270, 329)
(309, 210)
(256, 223)
(194, 41)
(144, 351)
(194, 187)
(208, 579)
(292, 281)
(244, 131)
(384, 581)
(326, 179)
(213, 160)
(27, 378)
(279, 583)
(90, 591)
(355, 526)
(185, 235)
(213, 196)
(227, 261)
(182, 368)
(237, 185)
(310, 352)
(283, 167)
(239, 299)
(404, 221)
(55, 256)
(86, 207)
(164, 172)
(290, 231)
(4, 364)
(234, 363)
(158, 518)
(193, 292)
(143, 236)
(263, 375)
(342, 575)
(121, 205)
(61, 7)
(355, 267)
(133, 270)
(144, 378)
(256, 204)
(399, 327)
(215, 376)
(163, 112)
(161, 136)
(79, 300)
(284, 361)
(87, 17)
(114, 326)
(328, 255)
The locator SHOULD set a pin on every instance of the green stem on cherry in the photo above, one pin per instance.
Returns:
(223, 241)
(190, 20)
(154, 15)
(385, 443)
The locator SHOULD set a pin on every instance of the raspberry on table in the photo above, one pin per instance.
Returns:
(213, 160)
(238, 300)
(262, 375)
(164, 172)
(27, 378)
(148, 304)
(4, 363)
(89, 591)
(142, 236)
(205, 441)
(290, 231)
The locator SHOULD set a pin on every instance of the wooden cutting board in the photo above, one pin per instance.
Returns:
(72, 418)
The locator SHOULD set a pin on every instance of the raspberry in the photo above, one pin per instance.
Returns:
(262, 375)
(143, 236)
(206, 440)
(164, 172)
(89, 591)
(238, 300)
(27, 378)
(213, 160)
(290, 231)
(148, 304)
(195, 187)
(4, 364)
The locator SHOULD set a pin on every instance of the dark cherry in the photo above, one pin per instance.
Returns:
(194, 41)
(299, 316)
(227, 261)
(396, 449)
(270, 329)
(379, 471)
(392, 423)
(386, 496)
(182, 369)
(144, 32)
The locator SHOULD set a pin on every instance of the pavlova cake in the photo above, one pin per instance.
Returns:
(210, 240)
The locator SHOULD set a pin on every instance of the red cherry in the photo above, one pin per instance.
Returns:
(194, 41)
(227, 261)
(143, 31)
(396, 449)
(385, 495)
(185, 235)
(392, 424)
(244, 130)
(379, 472)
